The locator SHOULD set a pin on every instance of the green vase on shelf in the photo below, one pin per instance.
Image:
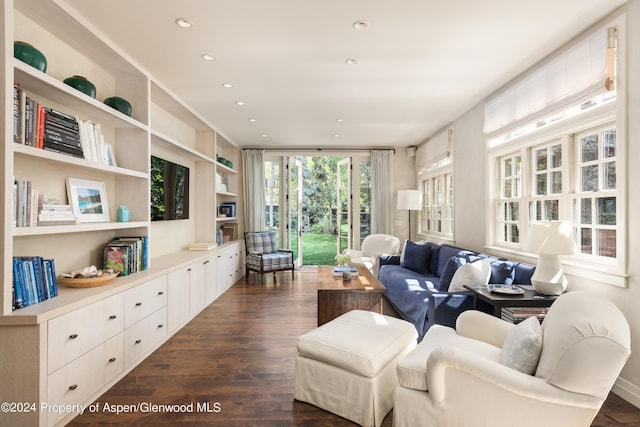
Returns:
(82, 84)
(28, 54)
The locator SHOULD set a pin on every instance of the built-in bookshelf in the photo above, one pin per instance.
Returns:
(36, 363)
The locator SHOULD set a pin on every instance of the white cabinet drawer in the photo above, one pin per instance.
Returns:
(144, 300)
(75, 382)
(141, 337)
(77, 332)
(113, 360)
(178, 299)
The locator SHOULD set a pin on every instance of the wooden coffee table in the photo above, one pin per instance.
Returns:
(337, 296)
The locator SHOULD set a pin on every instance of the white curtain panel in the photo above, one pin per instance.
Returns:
(381, 191)
(253, 194)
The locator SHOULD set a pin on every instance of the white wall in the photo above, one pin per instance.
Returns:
(471, 189)
(403, 181)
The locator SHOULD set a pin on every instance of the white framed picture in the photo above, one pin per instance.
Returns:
(88, 200)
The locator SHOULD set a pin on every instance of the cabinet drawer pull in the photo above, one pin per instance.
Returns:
(138, 304)
(113, 316)
(73, 387)
(138, 341)
(113, 359)
(73, 336)
(206, 262)
(160, 326)
(188, 269)
(161, 293)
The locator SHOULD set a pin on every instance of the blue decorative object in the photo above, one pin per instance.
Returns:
(123, 213)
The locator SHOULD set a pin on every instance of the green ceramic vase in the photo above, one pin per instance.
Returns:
(119, 104)
(28, 54)
(82, 84)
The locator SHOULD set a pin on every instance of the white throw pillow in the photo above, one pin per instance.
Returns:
(522, 346)
(475, 273)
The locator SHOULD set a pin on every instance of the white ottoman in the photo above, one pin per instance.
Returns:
(348, 365)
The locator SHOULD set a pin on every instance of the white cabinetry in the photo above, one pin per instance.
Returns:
(71, 348)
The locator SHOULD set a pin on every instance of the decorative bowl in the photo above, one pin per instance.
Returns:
(119, 104)
(28, 54)
(82, 84)
(86, 282)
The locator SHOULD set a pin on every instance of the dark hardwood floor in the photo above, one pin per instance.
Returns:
(235, 364)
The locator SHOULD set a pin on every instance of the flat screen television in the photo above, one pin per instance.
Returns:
(169, 190)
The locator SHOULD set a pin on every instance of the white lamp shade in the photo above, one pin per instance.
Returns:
(410, 200)
(551, 237)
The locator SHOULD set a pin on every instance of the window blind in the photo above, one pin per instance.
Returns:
(575, 75)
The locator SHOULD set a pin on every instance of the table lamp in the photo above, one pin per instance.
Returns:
(550, 239)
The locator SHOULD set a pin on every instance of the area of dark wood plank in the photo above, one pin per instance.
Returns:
(233, 365)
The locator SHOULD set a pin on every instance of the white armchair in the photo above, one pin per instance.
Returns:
(373, 246)
(460, 377)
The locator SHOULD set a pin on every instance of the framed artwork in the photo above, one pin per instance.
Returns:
(227, 210)
(88, 199)
(229, 232)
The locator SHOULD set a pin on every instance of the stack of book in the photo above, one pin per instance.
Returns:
(518, 314)
(204, 246)
(25, 200)
(337, 271)
(127, 255)
(93, 144)
(61, 133)
(34, 280)
(55, 214)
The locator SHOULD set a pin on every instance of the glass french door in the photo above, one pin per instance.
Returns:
(343, 204)
(318, 205)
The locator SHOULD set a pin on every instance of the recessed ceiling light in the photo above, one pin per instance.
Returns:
(252, 120)
(240, 103)
(339, 120)
(336, 135)
(264, 135)
(227, 85)
(183, 23)
(351, 61)
(208, 57)
(360, 25)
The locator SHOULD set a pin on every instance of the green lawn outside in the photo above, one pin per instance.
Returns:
(318, 249)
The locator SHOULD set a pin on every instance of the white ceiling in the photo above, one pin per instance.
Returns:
(421, 63)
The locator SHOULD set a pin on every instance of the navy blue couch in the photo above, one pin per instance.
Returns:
(418, 287)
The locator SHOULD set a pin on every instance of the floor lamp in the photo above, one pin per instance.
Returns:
(409, 200)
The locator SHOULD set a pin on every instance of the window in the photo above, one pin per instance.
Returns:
(437, 210)
(595, 204)
(508, 228)
(547, 182)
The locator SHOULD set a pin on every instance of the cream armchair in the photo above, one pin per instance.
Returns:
(461, 378)
(373, 246)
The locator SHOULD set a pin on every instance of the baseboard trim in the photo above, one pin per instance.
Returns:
(628, 391)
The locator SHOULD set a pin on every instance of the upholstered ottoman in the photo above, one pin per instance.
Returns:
(348, 365)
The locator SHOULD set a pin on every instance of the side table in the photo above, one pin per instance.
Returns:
(493, 303)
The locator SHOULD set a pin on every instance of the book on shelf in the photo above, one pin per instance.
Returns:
(34, 281)
(203, 246)
(128, 255)
(337, 271)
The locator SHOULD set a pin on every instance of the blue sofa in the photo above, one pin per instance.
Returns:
(418, 282)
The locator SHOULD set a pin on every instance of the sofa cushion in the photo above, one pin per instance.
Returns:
(522, 346)
(522, 273)
(473, 273)
(449, 270)
(416, 257)
(412, 369)
(445, 253)
(502, 272)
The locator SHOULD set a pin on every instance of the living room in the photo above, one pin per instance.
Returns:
(459, 138)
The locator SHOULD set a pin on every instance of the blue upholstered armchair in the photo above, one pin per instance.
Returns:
(263, 256)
